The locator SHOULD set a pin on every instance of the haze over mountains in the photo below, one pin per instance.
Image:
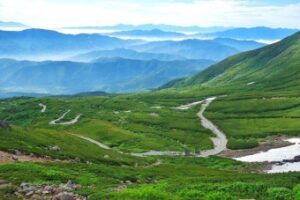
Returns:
(110, 75)
(148, 27)
(39, 42)
(149, 33)
(104, 62)
(124, 53)
(256, 33)
(12, 25)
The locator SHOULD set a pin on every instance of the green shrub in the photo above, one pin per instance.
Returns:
(192, 194)
(156, 192)
(279, 193)
(219, 196)
(296, 192)
(241, 143)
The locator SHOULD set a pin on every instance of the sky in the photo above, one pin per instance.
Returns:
(231, 13)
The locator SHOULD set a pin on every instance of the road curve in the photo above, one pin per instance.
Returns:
(44, 107)
(57, 121)
(220, 141)
(99, 144)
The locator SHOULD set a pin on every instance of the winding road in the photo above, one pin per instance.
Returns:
(219, 141)
(57, 121)
(99, 144)
(44, 107)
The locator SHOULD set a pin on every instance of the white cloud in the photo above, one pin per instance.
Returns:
(57, 13)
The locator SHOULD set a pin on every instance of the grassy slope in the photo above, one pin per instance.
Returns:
(108, 119)
(247, 114)
(176, 178)
(253, 113)
(272, 67)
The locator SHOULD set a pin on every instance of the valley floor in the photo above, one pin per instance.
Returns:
(56, 153)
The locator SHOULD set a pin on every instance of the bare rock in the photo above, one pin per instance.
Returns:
(48, 188)
(55, 148)
(28, 194)
(73, 186)
(18, 152)
(64, 196)
(15, 158)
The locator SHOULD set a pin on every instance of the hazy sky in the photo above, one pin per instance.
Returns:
(58, 13)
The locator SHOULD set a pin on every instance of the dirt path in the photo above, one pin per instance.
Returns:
(44, 107)
(188, 106)
(99, 144)
(57, 121)
(220, 141)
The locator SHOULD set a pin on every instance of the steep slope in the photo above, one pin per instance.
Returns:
(110, 75)
(273, 66)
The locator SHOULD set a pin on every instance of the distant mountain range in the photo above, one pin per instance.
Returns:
(272, 67)
(256, 33)
(240, 45)
(38, 42)
(124, 53)
(155, 33)
(175, 50)
(103, 63)
(164, 27)
(12, 25)
(198, 49)
(109, 75)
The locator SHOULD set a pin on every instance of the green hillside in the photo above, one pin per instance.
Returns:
(133, 123)
(108, 174)
(276, 66)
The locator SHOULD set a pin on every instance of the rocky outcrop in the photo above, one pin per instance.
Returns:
(55, 148)
(49, 192)
(295, 159)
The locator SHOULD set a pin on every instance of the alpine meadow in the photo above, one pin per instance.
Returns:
(150, 100)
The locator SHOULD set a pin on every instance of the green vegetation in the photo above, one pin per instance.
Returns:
(105, 119)
(125, 123)
(246, 120)
(149, 121)
(193, 180)
(272, 67)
